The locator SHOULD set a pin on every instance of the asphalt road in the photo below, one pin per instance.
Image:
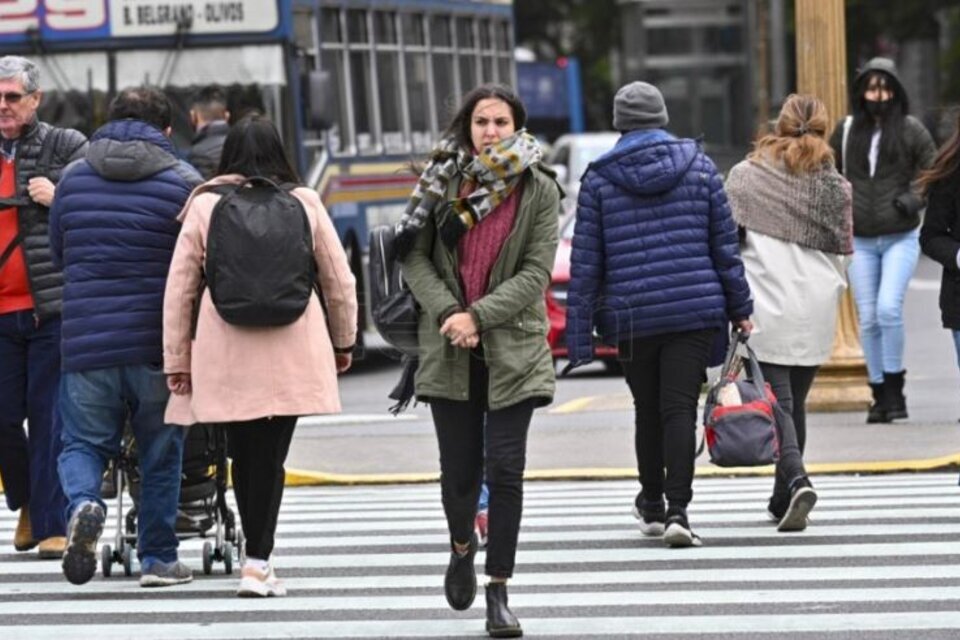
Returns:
(589, 426)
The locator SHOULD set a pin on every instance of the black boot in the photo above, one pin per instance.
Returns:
(501, 623)
(894, 399)
(878, 410)
(460, 583)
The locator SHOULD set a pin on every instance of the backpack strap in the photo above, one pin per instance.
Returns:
(847, 123)
(10, 248)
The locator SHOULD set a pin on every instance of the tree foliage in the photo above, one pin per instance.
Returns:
(587, 29)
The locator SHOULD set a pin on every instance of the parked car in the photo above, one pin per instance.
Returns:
(557, 301)
(570, 155)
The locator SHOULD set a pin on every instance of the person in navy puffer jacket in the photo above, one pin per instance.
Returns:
(656, 270)
(113, 228)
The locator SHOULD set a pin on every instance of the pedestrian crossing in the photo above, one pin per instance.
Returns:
(880, 560)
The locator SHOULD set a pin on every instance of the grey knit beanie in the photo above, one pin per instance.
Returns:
(639, 105)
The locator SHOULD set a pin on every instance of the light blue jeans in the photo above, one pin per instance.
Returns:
(956, 344)
(879, 274)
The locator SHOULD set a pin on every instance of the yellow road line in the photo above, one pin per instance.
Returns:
(304, 478)
(309, 478)
(573, 406)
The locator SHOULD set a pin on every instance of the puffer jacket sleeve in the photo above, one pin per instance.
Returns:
(72, 146)
(586, 273)
(528, 284)
(725, 250)
(936, 234)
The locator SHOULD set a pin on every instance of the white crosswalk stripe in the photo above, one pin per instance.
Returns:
(879, 560)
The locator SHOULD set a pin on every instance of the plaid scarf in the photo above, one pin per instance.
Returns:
(496, 171)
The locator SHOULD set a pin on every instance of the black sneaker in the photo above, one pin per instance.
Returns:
(678, 534)
(802, 500)
(83, 533)
(460, 583)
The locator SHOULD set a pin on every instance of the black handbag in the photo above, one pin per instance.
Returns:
(393, 308)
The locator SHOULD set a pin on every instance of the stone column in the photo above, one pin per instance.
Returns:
(841, 384)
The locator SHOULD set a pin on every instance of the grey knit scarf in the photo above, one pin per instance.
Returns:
(812, 210)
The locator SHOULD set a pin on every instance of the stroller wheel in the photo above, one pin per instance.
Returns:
(207, 558)
(106, 560)
(241, 547)
(227, 558)
(127, 557)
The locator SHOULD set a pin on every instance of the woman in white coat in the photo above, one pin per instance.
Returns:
(794, 210)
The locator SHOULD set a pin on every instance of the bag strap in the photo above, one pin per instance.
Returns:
(737, 338)
(43, 167)
(847, 123)
(10, 248)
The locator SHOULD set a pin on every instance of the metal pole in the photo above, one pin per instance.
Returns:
(778, 53)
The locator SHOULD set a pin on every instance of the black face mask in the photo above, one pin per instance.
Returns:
(877, 109)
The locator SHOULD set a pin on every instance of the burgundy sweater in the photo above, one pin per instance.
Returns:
(480, 246)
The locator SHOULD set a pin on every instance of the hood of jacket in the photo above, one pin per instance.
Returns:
(647, 161)
(884, 65)
(130, 150)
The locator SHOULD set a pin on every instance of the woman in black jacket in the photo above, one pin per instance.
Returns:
(940, 234)
(881, 150)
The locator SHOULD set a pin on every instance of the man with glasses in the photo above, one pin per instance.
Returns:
(32, 156)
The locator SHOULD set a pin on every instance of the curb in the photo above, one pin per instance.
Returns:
(304, 478)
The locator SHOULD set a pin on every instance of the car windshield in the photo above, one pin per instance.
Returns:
(585, 152)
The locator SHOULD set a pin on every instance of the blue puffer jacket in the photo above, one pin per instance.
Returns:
(655, 249)
(113, 228)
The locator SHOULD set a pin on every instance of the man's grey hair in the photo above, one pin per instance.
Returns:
(17, 68)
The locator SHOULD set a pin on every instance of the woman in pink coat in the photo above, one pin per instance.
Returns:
(255, 381)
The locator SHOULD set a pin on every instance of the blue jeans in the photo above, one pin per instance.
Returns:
(95, 406)
(956, 344)
(29, 377)
(879, 274)
(484, 503)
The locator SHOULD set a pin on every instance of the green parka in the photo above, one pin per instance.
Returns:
(512, 316)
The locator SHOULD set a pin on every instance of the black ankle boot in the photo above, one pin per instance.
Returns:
(460, 583)
(878, 410)
(894, 399)
(501, 623)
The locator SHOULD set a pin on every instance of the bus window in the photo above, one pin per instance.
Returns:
(411, 27)
(440, 31)
(390, 80)
(360, 85)
(339, 133)
(444, 89)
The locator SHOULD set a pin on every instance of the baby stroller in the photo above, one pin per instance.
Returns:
(202, 504)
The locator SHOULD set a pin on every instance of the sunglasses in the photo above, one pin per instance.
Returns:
(13, 97)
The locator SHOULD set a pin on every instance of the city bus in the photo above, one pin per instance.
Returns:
(358, 88)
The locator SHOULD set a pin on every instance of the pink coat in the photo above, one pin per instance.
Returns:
(245, 373)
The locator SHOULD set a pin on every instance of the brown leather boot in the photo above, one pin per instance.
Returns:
(23, 537)
(52, 548)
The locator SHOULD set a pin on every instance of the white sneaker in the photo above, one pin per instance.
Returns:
(258, 584)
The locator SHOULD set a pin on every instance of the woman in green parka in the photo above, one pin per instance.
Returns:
(481, 232)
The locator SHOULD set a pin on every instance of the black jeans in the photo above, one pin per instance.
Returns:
(258, 449)
(470, 435)
(790, 384)
(665, 373)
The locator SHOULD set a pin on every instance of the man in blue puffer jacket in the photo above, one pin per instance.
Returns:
(656, 270)
(113, 228)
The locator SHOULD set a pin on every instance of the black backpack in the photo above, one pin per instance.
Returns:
(260, 266)
(394, 310)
